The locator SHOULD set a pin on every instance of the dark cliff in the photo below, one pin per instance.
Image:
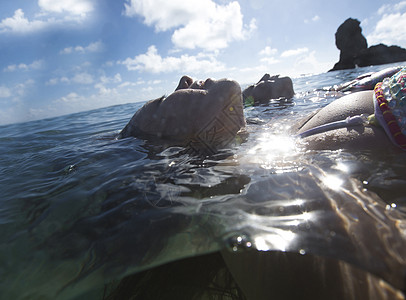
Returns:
(354, 49)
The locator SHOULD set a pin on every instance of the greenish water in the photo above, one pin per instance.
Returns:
(79, 208)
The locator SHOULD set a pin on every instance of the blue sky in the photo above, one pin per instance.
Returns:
(60, 57)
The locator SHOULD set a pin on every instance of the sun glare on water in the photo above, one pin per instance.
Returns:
(273, 150)
(333, 182)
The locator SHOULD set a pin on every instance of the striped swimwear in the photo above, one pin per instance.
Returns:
(390, 107)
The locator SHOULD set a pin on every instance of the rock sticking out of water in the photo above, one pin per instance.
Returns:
(354, 49)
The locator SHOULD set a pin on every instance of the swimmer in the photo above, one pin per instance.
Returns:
(366, 81)
(203, 114)
(210, 113)
(206, 113)
(362, 120)
(267, 88)
(260, 275)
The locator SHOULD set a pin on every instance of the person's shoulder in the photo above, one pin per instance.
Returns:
(347, 106)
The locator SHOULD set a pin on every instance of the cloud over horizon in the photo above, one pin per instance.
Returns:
(152, 62)
(197, 23)
(391, 27)
(91, 48)
(75, 7)
(52, 13)
(35, 65)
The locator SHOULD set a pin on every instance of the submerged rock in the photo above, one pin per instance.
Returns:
(354, 49)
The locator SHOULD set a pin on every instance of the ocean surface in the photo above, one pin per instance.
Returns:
(79, 209)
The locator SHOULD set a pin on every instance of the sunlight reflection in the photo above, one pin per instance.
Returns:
(277, 238)
(297, 202)
(271, 148)
(279, 241)
(300, 219)
(333, 182)
(342, 167)
(261, 244)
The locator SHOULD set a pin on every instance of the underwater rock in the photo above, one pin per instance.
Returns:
(354, 49)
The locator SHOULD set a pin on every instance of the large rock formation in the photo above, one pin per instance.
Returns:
(350, 41)
(379, 55)
(354, 49)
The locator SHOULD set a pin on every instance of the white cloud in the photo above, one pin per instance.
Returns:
(92, 47)
(294, 52)
(152, 62)
(13, 94)
(67, 50)
(199, 23)
(166, 15)
(140, 82)
(56, 80)
(314, 19)
(71, 97)
(156, 81)
(127, 84)
(83, 78)
(102, 97)
(52, 13)
(384, 9)
(103, 90)
(267, 56)
(4, 92)
(75, 7)
(19, 24)
(65, 80)
(52, 81)
(390, 29)
(108, 64)
(269, 60)
(115, 79)
(309, 64)
(21, 88)
(20, 108)
(267, 51)
(35, 65)
(79, 78)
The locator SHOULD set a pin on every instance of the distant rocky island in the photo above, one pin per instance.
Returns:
(354, 50)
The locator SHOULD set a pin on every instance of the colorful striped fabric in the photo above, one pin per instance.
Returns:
(390, 107)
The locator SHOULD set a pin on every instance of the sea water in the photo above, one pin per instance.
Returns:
(79, 208)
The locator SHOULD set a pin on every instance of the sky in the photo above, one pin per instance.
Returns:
(61, 57)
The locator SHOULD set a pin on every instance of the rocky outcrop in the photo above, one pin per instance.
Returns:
(354, 49)
(350, 42)
(379, 55)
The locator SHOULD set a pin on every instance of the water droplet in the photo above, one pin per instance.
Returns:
(69, 169)
(302, 251)
(239, 243)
